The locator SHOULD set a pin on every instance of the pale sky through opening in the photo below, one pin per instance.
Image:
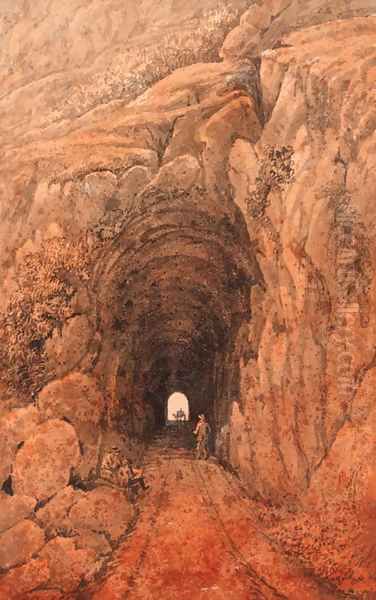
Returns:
(177, 400)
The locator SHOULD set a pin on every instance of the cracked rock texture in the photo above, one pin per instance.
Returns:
(43, 465)
(68, 565)
(212, 232)
(94, 511)
(21, 580)
(20, 543)
(54, 515)
(13, 509)
(15, 427)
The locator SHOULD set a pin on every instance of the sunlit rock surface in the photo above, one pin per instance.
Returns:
(208, 228)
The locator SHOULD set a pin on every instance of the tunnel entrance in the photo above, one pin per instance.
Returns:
(177, 408)
(174, 294)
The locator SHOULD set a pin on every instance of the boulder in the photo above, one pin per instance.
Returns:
(94, 541)
(20, 543)
(65, 349)
(132, 182)
(100, 185)
(18, 582)
(242, 42)
(15, 427)
(14, 509)
(21, 422)
(43, 465)
(78, 398)
(68, 566)
(257, 16)
(104, 510)
(53, 517)
(182, 172)
(92, 195)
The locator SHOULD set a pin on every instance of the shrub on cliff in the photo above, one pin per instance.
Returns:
(182, 49)
(47, 282)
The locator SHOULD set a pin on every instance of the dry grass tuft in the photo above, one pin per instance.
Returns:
(180, 49)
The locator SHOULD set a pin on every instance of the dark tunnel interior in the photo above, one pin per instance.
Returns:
(177, 288)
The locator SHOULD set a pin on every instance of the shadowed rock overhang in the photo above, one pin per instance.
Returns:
(174, 288)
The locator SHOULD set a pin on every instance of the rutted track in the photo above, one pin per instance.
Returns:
(115, 572)
(133, 578)
(196, 539)
(259, 589)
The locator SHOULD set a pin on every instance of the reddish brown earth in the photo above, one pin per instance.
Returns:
(198, 538)
(187, 203)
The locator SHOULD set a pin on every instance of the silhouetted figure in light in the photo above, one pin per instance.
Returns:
(180, 415)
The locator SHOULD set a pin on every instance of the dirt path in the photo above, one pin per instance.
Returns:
(196, 539)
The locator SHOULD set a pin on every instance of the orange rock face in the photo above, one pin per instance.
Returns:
(44, 463)
(103, 510)
(20, 543)
(21, 580)
(67, 565)
(15, 427)
(14, 509)
(198, 219)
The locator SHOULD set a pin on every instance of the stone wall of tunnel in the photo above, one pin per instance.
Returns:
(174, 288)
(193, 239)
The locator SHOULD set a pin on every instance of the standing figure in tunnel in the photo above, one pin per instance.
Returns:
(202, 433)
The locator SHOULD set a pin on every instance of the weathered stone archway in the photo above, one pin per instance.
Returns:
(174, 287)
(212, 235)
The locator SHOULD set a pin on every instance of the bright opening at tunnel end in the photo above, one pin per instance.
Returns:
(177, 408)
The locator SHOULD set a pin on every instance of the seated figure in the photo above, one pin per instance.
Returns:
(131, 475)
(118, 470)
(110, 465)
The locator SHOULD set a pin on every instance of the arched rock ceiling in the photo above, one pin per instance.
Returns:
(174, 286)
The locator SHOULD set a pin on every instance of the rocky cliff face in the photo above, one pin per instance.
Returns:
(213, 234)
